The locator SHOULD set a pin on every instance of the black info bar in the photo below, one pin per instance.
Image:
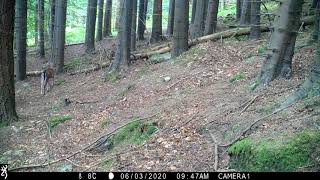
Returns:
(156, 175)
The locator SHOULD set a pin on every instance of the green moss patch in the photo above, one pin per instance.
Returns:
(276, 155)
(237, 77)
(54, 121)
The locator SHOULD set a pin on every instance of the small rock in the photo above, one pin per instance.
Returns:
(66, 168)
(167, 79)
(173, 168)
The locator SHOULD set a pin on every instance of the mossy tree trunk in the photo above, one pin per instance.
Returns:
(107, 19)
(238, 10)
(100, 20)
(245, 12)
(41, 28)
(59, 34)
(21, 38)
(198, 24)
(134, 25)
(181, 28)
(122, 57)
(7, 92)
(281, 48)
(91, 25)
(212, 17)
(255, 32)
(156, 34)
(141, 20)
(170, 18)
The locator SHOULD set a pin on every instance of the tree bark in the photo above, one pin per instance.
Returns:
(107, 19)
(134, 25)
(198, 25)
(238, 10)
(245, 12)
(171, 17)
(212, 17)
(41, 28)
(21, 38)
(7, 93)
(194, 9)
(118, 18)
(122, 57)
(52, 29)
(282, 42)
(146, 2)
(141, 19)
(36, 25)
(315, 34)
(181, 28)
(255, 19)
(91, 25)
(59, 37)
(100, 20)
(156, 34)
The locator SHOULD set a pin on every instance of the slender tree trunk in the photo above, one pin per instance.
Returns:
(122, 57)
(36, 26)
(60, 32)
(100, 20)
(238, 10)
(21, 38)
(156, 34)
(181, 28)
(7, 93)
(198, 25)
(315, 34)
(146, 2)
(107, 19)
(91, 25)
(118, 18)
(170, 18)
(52, 29)
(211, 23)
(141, 20)
(245, 12)
(255, 32)
(194, 9)
(41, 28)
(205, 13)
(134, 25)
(279, 55)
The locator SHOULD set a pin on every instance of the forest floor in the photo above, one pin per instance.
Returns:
(204, 96)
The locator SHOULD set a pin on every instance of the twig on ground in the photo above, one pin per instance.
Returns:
(248, 104)
(252, 124)
(216, 152)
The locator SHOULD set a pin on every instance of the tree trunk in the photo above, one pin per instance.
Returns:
(238, 10)
(41, 28)
(145, 14)
(7, 93)
(198, 25)
(134, 25)
(100, 20)
(245, 12)
(107, 19)
(280, 51)
(181, 28)
(255, 19)
(315, 34)
(52, 31)
(194, 9)
(60, 29)
(211, 23)
(156, 34)
(36, 26)
(118, 18)
(21, 38)
(141, 20)
(205, 13)
(170, 18)
(122, 57)
(91, 25)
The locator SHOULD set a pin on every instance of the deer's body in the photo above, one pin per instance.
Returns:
(46, 76)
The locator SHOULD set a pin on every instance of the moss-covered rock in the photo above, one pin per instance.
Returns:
(276, 155)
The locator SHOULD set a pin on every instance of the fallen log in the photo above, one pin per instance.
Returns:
(217, 36)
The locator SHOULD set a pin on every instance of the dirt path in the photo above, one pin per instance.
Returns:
(199, 92)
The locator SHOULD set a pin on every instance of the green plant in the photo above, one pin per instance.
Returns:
(60, 82)
(54, 121)
(76, 63)
(237, 77)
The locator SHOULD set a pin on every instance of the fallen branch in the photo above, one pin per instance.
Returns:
(251, 125)
(249, 103)
(216, 152)
(79, 151)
